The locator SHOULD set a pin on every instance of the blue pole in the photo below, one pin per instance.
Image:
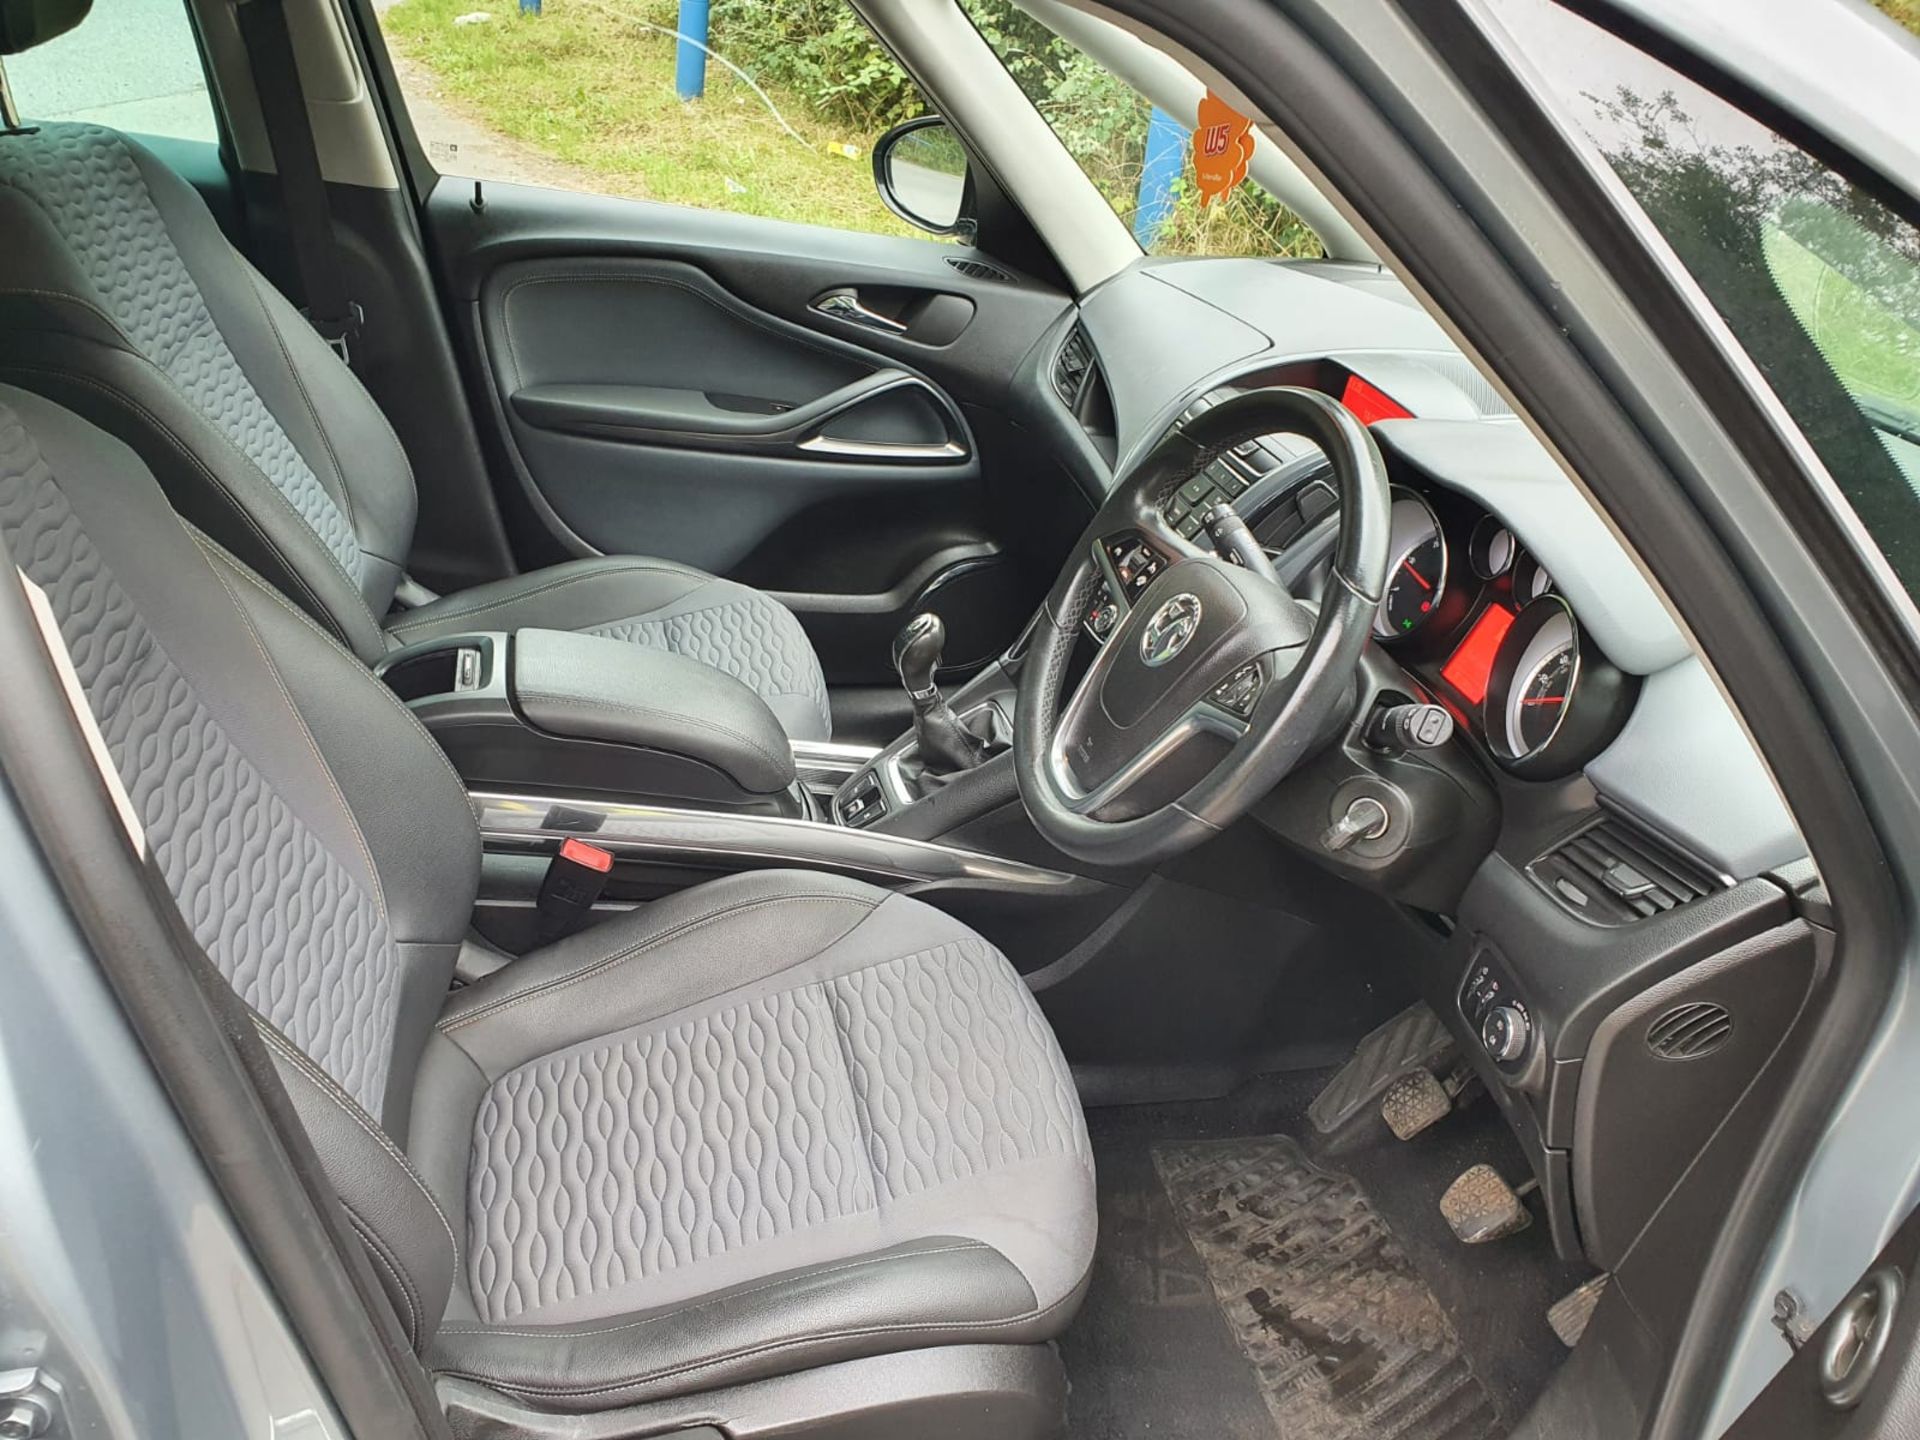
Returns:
(1166, 151)
(690, 62)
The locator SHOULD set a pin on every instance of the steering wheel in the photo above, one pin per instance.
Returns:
(1216, 682)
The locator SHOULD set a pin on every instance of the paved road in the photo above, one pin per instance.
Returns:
(132, 65)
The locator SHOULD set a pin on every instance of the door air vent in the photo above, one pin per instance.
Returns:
(1071, 366)
(979, 269)
(1689, 1031)
(1613, 873)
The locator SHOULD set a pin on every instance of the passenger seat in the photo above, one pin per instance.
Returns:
(121, 299)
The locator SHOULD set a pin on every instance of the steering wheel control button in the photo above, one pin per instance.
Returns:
(1409, 727)
(1240, 691)
(1506, 1032)
(1102, 618)
(1135, 563)
(1366, 819)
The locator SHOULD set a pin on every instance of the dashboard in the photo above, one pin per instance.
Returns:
(1621, 700)
(1595, 821)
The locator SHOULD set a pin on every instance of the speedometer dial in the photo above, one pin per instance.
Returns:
(1541, 702)
(1417, 580)
(1553, 699)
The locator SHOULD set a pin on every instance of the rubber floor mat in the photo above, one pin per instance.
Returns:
(1344, 1337)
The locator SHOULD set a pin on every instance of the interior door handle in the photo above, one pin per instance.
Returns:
(845, 304)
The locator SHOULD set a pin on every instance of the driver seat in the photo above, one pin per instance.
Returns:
(779, 1131)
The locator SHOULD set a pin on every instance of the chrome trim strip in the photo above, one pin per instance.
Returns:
(667, 833)
(823, 767)
(883, 449)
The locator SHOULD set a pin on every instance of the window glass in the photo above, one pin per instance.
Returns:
(1818, 281)
(1139, 157)
(131, 64)
(585, 95)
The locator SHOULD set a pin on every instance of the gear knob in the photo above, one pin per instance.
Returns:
(916, 654)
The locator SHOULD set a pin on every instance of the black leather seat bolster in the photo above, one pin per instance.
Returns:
(936, 1291)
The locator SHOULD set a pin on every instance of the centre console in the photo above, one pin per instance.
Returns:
(553, 712)
(681, 772)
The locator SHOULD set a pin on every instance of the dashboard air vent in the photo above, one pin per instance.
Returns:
(1612, 873)
(1070, 367)
(1689, 1031)
(979, 269)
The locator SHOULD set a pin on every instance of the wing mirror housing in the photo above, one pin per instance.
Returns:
(922, 173)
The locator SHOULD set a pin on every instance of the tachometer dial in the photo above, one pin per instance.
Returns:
(1492, 548)
(1417, 553)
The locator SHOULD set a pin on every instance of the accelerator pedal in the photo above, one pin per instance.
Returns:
(1570, 1313)
(1481, 1207)
(1415, 1039)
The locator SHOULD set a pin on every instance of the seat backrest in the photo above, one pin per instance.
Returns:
(121, 298)
(319, 846)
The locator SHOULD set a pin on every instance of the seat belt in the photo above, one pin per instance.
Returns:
(303, 189)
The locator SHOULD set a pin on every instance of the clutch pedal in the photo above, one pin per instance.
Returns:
(1481, 1207)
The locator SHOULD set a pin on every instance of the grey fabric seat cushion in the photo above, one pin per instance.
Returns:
(659, 604)
(780, 1119)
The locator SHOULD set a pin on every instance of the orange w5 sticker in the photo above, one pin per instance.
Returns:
(1222, 146)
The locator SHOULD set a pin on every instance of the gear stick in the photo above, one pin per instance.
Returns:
(945, 744)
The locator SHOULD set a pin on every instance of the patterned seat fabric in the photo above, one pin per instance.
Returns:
(297, 929)
(830, 1104)
(123, 301)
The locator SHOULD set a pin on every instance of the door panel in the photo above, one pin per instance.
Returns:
(786, 405)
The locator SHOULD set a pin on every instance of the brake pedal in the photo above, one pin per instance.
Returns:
(1413, 1103)
(1482, 1207)
(1570, 1313)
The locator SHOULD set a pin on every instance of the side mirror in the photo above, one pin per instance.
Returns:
(920, 170)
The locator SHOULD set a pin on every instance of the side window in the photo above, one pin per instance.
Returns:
(772, 112)
(1138, 156)
(1816, 279)
(132, 64)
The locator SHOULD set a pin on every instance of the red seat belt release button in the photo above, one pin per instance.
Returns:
(574, 881)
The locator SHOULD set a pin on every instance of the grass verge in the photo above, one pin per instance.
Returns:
(589, 85)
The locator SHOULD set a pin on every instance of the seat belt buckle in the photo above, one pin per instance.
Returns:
(575, 878)
(341, 332)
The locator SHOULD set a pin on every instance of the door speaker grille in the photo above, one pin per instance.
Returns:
(979, 269)
(1689, 1031)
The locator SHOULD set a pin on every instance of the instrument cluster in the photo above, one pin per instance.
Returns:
(1476, 617)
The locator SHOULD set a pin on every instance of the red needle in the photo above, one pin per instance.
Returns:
(1408, 565)
(1543, 699)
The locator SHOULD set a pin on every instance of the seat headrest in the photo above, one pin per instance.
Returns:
(27, 23)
